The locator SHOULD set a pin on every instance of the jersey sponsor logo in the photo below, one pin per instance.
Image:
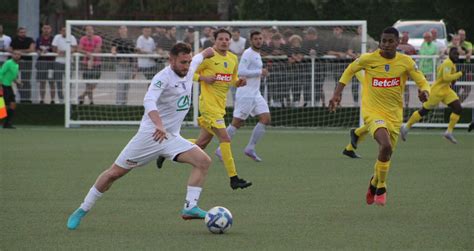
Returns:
(183, 103)
(223, 77)
(158, 84)
(385, 82)
(387, 67)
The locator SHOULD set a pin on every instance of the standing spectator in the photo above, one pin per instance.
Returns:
(146, 45)
(407, 49)
(167, 41)
(337, 46)
(428, 48)
(91, 65)
(45, 64)
(189, 37)
(25, 45)
(354, 51)
(59, 46)
(125, 66)
(8, 75)
(5, 42)
(441, 46)
(237, 43)
(404, 47)
(465, 65)
(276, 80)
(312, 46)
(207, 35)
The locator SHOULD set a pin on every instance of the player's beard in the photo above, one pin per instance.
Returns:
(181, 74)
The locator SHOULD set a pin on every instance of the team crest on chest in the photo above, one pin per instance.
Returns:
(225, 64)
(387, 67)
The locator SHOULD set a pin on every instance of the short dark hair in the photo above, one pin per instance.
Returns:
(391, 30)
(254, 33)
(222, 30)
(180, 48)
(453, 49)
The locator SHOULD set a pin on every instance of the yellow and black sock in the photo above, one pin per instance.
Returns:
(228, 159)
(453, 119)
(414, 118)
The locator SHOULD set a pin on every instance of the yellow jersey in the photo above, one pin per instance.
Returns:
(445, 74)
(384, 83)
(213, 96)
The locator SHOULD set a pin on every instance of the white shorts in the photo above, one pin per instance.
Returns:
(142, 149)
(252, 106)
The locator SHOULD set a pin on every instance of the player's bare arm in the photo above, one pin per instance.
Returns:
(160, 132)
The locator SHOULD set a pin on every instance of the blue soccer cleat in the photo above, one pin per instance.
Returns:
(193, 213)
(75, 218)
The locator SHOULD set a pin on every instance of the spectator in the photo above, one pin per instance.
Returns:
(404, 47)
(276, 48)
(295, 42)
(8, 75)
(408, 49)
(5, 42)
(59, 46)
(146, 45)
(91, 65)
(428, 48)
(25, 45)
(237, 43)
(441, 46)
(189, 37)
(312, 46)
(298, 77)
(125, 66)
(45, 64)
(337, 46)
(206, 35)
(158, 34)
(209, 42)
(167, 41)
(465, 66)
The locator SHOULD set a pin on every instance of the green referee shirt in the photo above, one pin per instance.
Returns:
(9, 72)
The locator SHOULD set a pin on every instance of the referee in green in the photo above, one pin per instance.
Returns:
(8, 75)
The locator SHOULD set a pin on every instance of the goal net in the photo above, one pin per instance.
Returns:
(108, 74)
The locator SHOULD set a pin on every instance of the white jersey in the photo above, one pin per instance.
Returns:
(250, 67)
(170, 95)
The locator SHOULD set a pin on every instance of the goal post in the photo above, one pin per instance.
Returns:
(109, 88)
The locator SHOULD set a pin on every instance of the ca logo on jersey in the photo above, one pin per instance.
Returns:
(158, 84)
(183, 103)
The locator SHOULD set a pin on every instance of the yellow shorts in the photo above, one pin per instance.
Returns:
(374, 122)
(208, 121)
(445, 97)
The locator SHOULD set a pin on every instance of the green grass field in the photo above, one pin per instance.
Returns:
(306, 194)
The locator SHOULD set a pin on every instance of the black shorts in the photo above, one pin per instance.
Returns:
(44, 70)
(8, 94)
(93, 73)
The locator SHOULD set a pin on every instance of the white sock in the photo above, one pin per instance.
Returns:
(231, 130)
(257, 133)
(92, 196)
(192, 197)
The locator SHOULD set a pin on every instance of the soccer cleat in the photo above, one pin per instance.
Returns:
(471, 126)
(159, 162)
(351, 154)
(449, 136)
(403, 132)
(369, 196)
(380, 197)
(75, 218)
(193, 213)
(354, 138)
(236, 182)
(218, 154)
(252, 154)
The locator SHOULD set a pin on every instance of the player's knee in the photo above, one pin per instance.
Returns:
(386, 149)
(204, 163)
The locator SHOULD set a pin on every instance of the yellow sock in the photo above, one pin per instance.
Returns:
(192, 141)
(375, 179)
(453, 119)
(349, 147)
(414, 118)
(228, 159)
(361, 131)
(382, 172)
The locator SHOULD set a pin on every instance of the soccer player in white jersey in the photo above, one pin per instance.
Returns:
(248, 99)
(166, 104)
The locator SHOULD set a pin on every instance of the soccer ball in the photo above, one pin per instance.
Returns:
(218, 220)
